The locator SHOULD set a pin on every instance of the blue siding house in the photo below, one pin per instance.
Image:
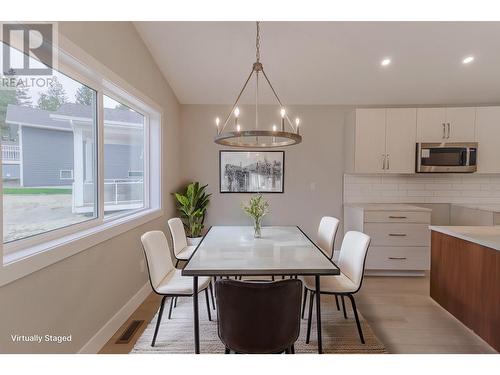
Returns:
(55, 149)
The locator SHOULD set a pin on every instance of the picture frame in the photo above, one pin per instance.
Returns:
(251, 171)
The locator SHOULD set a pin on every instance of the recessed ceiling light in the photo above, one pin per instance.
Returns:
(468, 60)
(385, 62)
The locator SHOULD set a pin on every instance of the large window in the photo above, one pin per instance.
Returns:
(76, 154)
(48, 155)
(124, 146)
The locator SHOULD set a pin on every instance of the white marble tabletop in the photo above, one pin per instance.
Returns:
(282, 250)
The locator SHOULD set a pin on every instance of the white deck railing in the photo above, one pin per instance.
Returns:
(119, 194)
(11, 153)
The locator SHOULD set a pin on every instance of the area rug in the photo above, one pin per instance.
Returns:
(176, 335)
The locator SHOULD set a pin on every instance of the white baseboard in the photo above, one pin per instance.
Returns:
(108, 330)
(394, 273)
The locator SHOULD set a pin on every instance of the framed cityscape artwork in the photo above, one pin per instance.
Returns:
(251, 171)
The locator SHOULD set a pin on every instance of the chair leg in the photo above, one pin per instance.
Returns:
(272, 277)
(170, 310)
(309, 318)
(175, 302)
(304, 302)
(227, 351)
(159, 320)
(360, 331)
(287, 351)
(337, 302)
(212, 294)
(343, 307)
(292, 349)
(208, 305)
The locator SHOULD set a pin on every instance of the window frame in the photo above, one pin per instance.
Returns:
(24, 256)
(66, 178)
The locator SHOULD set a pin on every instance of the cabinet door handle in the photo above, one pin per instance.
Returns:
(397, 217)
(449, 130)
(383, 161)
(397, 258)
(388, 165)
(444, 130)
(397, 234)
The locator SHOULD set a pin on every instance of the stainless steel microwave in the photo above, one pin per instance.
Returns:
(446, 157)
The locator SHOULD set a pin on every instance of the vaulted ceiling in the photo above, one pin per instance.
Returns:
(331, 62)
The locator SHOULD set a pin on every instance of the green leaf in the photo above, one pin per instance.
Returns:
(192, 207)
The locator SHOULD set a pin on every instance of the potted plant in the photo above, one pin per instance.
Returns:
(192, 206)
(257, 208)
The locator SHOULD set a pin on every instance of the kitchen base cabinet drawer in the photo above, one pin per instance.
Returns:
(398, 258)
(397, 217)
(394, 234)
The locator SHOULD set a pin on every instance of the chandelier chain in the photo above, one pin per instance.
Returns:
(257, 43)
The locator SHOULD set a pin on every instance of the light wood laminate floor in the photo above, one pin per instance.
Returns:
(399, 310)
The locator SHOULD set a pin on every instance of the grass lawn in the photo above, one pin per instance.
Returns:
(35, 191)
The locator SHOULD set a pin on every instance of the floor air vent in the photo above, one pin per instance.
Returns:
(129, 332)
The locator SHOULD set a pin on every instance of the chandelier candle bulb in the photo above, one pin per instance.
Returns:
(217, 122)
(236, 115)
(283, 113)
(297, 123)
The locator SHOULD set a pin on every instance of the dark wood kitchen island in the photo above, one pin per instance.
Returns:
(465, 277)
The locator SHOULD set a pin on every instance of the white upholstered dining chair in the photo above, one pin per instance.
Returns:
(181, 249)
(352, 265)
(327, 231)
(166, 280)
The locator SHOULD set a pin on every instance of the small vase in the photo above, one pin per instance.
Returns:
(257, 227)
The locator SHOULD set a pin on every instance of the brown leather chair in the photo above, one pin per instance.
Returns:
(258, 317)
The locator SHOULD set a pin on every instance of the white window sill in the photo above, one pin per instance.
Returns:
(24, 262)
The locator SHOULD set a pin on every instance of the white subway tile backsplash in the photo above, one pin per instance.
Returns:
(412, 186)
(419, 193)
(447, 193)
(438, 186)
(393, 187)
(429, 188)
(466, 186)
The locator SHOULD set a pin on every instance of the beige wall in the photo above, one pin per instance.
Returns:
(80, 294)
(313, 169)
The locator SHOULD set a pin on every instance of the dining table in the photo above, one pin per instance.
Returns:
(233, 251)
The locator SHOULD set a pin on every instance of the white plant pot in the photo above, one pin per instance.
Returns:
(193, 241)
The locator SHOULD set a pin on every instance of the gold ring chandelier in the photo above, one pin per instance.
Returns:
(258, 138)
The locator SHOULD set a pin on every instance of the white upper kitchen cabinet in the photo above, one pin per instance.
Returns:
(381, 140)
(369, 154)
(431, 124)
(400, 140)
(461, 124)
(446, 124)
(488, 136)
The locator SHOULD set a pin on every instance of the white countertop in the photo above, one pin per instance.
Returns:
(488, 236)
(483, 207)
(388, 207)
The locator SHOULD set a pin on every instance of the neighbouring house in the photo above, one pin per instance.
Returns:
(55, 149)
